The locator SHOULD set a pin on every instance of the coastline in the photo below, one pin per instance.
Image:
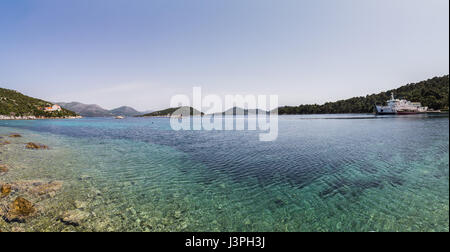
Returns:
(4, 117)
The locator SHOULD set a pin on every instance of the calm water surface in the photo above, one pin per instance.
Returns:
(323, 173)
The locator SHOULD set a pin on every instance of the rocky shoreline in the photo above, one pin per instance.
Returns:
(5, 117)
(23, 201)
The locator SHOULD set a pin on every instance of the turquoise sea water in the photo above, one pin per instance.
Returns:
(323, 173)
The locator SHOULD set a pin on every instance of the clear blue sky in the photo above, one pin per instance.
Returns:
(140, 52)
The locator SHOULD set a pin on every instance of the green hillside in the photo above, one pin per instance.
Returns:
(432, 93)
(13, 103)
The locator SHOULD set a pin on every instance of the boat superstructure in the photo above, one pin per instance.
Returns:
(400, 107)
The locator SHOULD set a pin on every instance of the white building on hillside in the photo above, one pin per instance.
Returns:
(53, 108)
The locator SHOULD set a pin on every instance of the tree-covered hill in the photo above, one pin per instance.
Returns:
(168, 112)
(125, 111)
(432, 93)
(13, 103)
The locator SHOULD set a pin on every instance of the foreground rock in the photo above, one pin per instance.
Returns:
(3, 169)
(5, 190)
(73, 217)
(20, 210)
(34, 146)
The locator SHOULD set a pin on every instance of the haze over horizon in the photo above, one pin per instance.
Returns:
(140, 53)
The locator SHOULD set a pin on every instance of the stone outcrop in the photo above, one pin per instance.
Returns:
(15, 135)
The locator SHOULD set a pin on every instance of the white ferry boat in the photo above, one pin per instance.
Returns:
(400, 107)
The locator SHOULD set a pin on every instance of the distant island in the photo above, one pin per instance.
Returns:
(242, 111)
(178, 111)
(14, 105)
(191, 112)
(432, 93)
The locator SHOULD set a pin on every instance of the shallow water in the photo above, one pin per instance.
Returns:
(323, 173)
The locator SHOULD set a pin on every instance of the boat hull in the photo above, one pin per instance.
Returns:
(384, 110)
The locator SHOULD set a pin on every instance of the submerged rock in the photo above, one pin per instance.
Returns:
(84, 177)
(73, 217)
(35, 146)
(18, 230)
(5, 190)
(80, 204)
(49, 188)
(177, 214)
(15, 135)
(5, 142)
(38, 187)
(94, 193)
(3, 169)
(20, 210)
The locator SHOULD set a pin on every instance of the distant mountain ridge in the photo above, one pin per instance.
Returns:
(94, 110)
(87, 110)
